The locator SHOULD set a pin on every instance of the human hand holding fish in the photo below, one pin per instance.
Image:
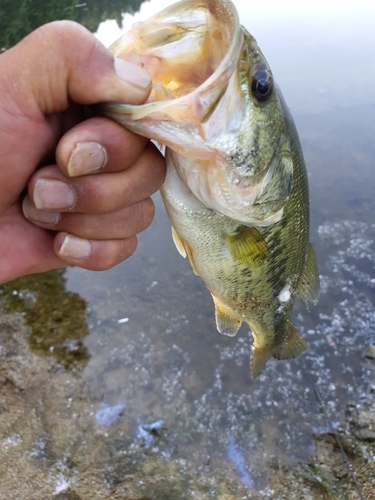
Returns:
(236, 190)
(88, 179)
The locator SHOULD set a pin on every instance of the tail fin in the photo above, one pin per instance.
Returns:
(291, 347)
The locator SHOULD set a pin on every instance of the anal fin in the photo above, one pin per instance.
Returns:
(308, 290)
(225, 323)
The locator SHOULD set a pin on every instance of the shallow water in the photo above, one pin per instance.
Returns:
(142, 336)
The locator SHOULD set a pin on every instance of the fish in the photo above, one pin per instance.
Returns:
(236, 189)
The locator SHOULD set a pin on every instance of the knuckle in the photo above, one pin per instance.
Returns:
(114, 252)
(61, 32)
(157, 166)
(147, 208)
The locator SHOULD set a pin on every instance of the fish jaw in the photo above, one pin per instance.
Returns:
(201, 61)
(191, 50)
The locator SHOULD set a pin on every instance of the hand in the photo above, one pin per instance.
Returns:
(88, 180)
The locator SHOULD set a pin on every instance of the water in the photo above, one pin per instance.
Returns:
(141, 338)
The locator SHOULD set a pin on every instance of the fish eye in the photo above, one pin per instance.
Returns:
(262, 85)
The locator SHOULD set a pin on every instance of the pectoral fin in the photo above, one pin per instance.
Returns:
(247, 246)
(308, 290)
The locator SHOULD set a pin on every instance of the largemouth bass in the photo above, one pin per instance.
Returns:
(236, 189)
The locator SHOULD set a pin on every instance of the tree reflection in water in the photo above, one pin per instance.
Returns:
(17, 19)
(57, 317)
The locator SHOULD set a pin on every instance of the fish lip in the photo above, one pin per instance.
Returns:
(222, 72)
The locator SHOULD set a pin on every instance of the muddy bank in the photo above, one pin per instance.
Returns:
(58, 441)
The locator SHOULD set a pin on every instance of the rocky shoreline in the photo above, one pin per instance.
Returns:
(52, 446)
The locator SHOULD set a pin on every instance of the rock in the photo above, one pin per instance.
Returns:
(366, 434)
(366, 425)
(369, 352)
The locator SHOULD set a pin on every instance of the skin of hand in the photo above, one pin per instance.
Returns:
(74, 188)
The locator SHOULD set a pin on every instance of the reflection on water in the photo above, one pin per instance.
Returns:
(56, 316)
(159, 378)
(107, 415)
(18, 19)
(237, 457)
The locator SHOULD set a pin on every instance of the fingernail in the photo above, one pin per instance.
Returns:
(53, 195)
(33, 214)
(133, 74)
(86, 158)
(75, 248)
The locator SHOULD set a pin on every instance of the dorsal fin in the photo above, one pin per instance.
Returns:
(308, 289)
(247, 246)
(258, 361)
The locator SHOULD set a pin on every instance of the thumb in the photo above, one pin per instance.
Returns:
(62, 61)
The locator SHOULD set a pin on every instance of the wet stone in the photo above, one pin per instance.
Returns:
(369, 352)
(366, 434)
(67, 495)
(366, 424)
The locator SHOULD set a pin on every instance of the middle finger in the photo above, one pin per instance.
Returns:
(50, 190)
(120, 224)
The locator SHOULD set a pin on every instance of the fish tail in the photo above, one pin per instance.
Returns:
(291, 347)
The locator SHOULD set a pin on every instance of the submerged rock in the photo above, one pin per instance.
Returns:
(369, 352)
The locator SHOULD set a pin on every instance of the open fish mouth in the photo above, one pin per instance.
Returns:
(190, 49)
(214, 105)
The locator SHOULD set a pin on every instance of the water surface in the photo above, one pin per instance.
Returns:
(147, 347)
